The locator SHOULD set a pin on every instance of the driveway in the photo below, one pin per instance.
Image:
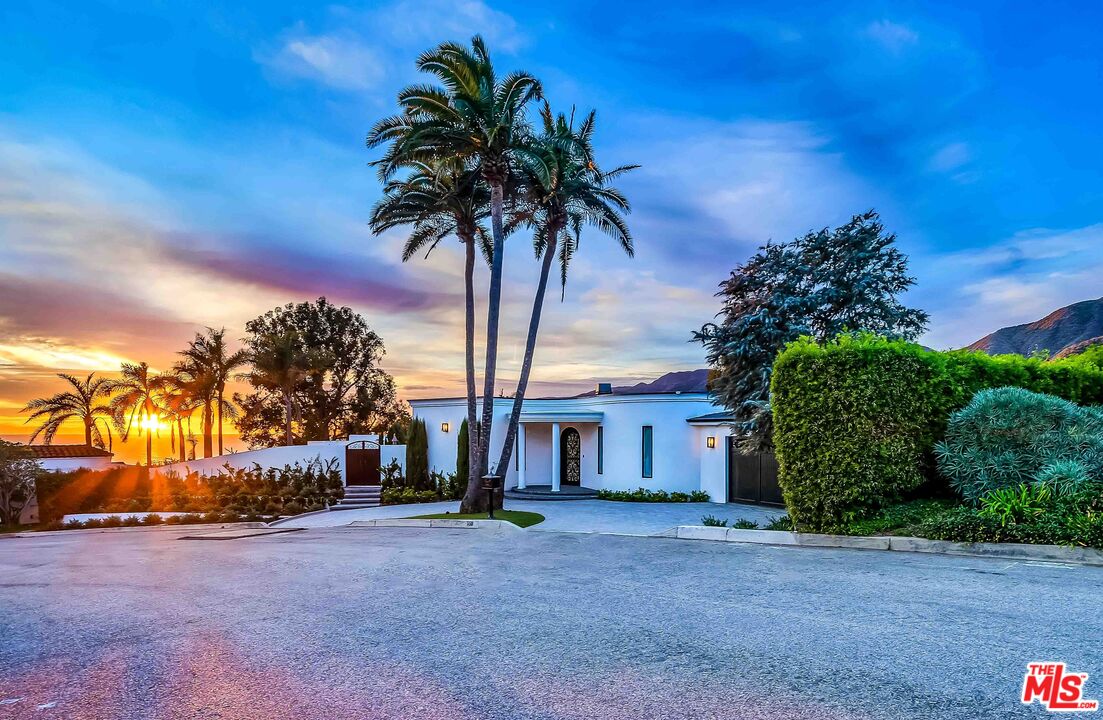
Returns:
(566, 515)
(403, 623)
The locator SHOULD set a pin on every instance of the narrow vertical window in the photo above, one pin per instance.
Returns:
(600, 449)
(648, 436)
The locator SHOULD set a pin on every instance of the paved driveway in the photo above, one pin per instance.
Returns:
(567, 516)
(443, 624)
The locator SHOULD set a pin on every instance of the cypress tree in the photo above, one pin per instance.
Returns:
(462, 459)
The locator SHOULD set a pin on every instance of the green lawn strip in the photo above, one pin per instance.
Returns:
(517, 517)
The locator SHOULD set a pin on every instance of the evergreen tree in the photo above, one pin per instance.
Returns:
(417, 456)
(822, 284)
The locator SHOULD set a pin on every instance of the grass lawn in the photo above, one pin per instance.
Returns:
(517, 517)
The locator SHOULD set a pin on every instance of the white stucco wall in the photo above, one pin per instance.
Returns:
(277, 457)
(76, 463)
(681, 462)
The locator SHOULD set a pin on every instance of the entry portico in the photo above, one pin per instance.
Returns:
(563, 430)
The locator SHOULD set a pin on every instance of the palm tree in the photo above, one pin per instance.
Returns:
(473, 117)
(563, 190)
(440, 201)
(278, 365)
(209, 358)
(178, 404)
(87, 402)
(199, 384)
(136, 399)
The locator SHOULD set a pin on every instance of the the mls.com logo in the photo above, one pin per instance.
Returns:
(1055, 689)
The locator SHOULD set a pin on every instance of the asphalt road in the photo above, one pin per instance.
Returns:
(406, 623)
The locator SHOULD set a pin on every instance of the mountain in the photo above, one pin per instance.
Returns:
(684, 381)
(1057, 333)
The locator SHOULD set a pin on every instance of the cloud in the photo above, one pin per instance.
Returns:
(950, 157)
(343, 62)
(358, 51)
(893, 36)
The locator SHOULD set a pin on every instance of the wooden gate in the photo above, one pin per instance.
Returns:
(752, 477)
(362, 463)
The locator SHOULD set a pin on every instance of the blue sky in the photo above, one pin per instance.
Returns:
(182, 164)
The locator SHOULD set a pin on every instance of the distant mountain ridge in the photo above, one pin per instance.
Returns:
(682, 381)
(1061, 333)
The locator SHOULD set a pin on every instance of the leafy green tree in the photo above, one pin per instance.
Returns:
(86, 402)
(562, 189)
(437, 201)
(827, 282)
(472, 117)
(328, 358)
(18, 471)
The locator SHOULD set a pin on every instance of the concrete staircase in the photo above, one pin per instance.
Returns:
(359, 496)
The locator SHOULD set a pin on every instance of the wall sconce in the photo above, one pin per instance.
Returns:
(444, 427)
(710, 441)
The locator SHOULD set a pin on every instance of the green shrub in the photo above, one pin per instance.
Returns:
(73, 525)
(713, 521)
(745, 525)
(645, 495)
(1023, 504)
(407, 496)
(293, 508)
(1009, 436)
(1066, 477)
(782, 522)
(899, 519)
(856, 420)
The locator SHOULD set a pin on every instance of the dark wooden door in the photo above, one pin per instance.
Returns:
(362, 463)
(752, 477)
(570, 457)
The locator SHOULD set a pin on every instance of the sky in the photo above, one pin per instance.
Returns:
(170, 166)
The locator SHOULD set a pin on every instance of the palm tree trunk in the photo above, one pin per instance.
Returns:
(208, 421)
(149, 447)
(88, 432)
(530, 350)
(474, 500)
(220, 401)
(180, 432)
(469, 357)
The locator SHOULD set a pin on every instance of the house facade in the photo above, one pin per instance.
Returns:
(71, 457)
(674, 441)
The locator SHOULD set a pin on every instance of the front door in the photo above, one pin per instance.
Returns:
(570, 458)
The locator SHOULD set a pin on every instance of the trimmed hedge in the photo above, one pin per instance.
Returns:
(856, 420)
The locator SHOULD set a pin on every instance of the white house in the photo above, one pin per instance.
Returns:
(673, 441)
(71, 457)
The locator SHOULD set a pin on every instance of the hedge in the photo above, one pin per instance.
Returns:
(856, 420)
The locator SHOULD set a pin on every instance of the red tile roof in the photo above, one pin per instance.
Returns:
(66, 451)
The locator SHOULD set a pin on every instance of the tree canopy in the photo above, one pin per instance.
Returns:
(827, 282)
(336, 385)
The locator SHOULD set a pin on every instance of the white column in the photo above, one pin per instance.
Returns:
(555, 457)
(521, 456)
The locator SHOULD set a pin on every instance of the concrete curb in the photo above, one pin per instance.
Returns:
(1013, 551)
(439, 523)
(148, 528)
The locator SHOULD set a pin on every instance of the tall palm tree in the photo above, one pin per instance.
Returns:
(563, 190)
(87, 401)
(178, 404)
(198, 383)
(473, 117)
(209, 357)
(136, 400)
(439, 201)
(278, 365)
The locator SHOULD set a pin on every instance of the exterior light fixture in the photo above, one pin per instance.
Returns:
(710, 441)
(444, 427)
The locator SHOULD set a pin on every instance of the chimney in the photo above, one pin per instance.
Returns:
(605, 388)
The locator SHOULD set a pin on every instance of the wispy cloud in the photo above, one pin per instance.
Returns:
(342, 61)
(891, 35)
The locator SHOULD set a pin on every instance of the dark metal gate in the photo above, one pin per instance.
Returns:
(752, 477)
(570, 457)
(362, 463)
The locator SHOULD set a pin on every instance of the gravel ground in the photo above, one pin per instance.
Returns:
(404, 623)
